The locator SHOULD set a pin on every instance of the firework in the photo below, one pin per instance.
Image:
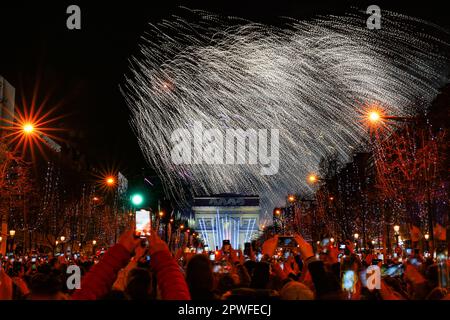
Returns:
(310, 80)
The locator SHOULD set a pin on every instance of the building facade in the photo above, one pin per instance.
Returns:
(230, 217)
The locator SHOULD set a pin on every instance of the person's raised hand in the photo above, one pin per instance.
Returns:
(155, 244)
(349, 245)
(305, 248)
(333, 253)
(140, 251)
(129, 241)
(269, 246)
(233, 255)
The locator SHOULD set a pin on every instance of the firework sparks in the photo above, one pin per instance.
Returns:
(310, 80)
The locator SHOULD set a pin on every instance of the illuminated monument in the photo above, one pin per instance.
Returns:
(227, 217)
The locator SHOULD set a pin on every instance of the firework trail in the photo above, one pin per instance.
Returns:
(310, 80)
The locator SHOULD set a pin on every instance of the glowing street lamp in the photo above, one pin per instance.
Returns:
(62, 238)
(161, 214)
(374, 116)
(182, 227)
(427, 236)
(110, 181)
(28, 128)
(94, 242)
(171, 220)
(332, 240)
(96, 199)
(356, 236)
(397, 234)
(12, 233)
(291, 198)
(312, 178)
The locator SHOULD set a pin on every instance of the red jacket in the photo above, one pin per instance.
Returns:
(99, 280)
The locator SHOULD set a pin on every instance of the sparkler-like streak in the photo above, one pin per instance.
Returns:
(310, 80)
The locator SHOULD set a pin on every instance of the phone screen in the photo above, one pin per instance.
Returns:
(284, 242)
(348, 280)
(142, 223)
(212, 257)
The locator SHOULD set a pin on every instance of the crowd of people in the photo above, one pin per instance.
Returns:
(145, 269)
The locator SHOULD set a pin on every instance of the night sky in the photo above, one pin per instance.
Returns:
(83, 69)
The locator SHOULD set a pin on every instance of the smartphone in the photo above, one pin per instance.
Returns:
(147, 258)
(212, 256)
(348, 281)
(247, 247)
(324, 242)
(142, 223)
(286, 242)
(33, 260)
(342, 246)
(217, 268)
(392, 271)
(226, 246)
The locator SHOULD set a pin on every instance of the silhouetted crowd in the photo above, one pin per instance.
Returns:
(144, 269)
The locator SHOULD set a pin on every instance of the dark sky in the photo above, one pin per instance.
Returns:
(83, 69)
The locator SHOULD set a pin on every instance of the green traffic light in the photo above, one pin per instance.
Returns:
(137, 199)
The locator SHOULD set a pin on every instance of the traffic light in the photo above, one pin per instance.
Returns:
(137, 199)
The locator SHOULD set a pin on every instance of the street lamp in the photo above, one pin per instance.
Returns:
(374, 116)
(28, 128)
(356, 236)
(12, 233)
(397, 234)
(182, 227)
(94, 242)
(312, 178)
(161, 214)
(427, 236)
(291, 198)
(110, 181)
(332, 240)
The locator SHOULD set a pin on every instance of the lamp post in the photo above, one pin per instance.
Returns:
(427, 236)
(94, 243)
(397, 234)
(12, 233)
(356, 236)
(62, 238)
